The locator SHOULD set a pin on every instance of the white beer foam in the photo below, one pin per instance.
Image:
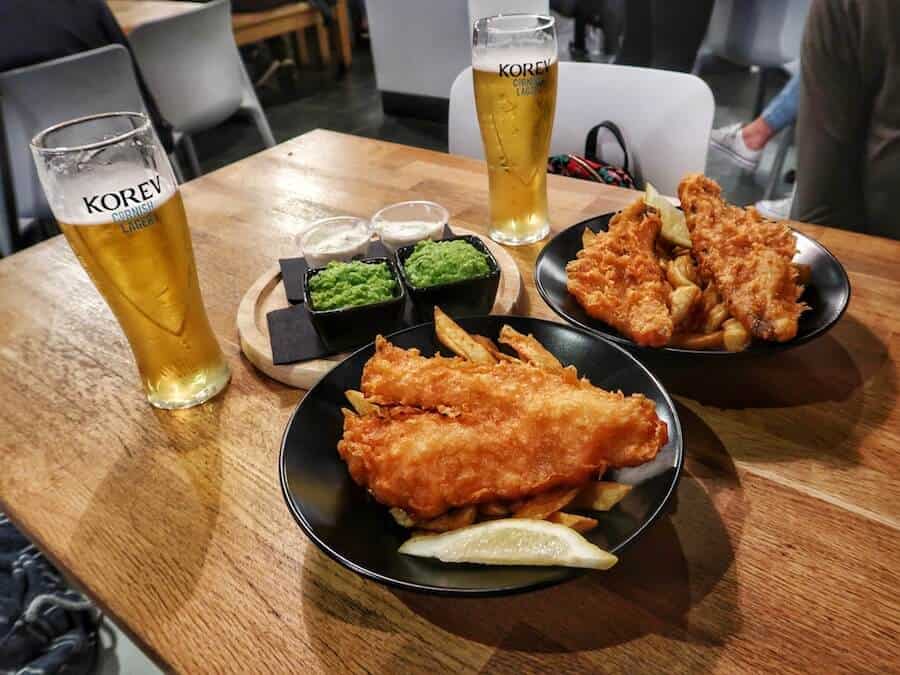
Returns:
(69, 207)
(491, 58)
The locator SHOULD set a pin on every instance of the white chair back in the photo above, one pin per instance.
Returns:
(664, 116)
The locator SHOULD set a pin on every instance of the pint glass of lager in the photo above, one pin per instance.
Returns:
(515, 71)
(112, 191)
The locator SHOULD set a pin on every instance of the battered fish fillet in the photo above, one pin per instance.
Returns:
(618, 279)
(454, 433)
(748, 259)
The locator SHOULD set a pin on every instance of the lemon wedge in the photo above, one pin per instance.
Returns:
(674, 228)
(512, 541)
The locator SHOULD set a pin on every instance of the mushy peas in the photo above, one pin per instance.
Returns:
(351, 284)
(442, 262)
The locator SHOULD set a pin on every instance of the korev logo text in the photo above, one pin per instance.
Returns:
(527, 78)
(520, 69)
(131, 207)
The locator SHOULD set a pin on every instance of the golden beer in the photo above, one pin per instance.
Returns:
(144, 268)
(112, 190)
(515, 76)
(516, 119)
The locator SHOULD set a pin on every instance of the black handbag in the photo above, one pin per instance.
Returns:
(590, 166)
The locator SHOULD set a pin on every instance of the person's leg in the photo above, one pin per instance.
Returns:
(678, 29)
(782, 110)
(832, 120)
(745, 144)
(637, 39)
(880, 60)
(757, 133)
(730, 140)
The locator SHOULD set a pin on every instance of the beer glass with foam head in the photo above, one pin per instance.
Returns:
(112, 191)
(515, 72)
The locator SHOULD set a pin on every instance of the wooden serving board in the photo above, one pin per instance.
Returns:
(267, 294)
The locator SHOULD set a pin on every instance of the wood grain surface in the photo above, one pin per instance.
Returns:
(296, 17)
(780, 554)
(132, 13)
(252, 27)
(267, 294)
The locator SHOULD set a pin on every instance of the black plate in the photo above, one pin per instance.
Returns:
(359, 533)
(827, 293)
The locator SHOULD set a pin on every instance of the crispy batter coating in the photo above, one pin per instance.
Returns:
(618, 278)
(453, 433)
(748, 259)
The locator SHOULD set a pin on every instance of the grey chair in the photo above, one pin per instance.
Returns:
(192, 67)
(10, 234)
(36, 97)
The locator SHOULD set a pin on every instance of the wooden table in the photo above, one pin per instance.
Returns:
(296, 18)
(132, 13)
(253, 26)
(781, 552)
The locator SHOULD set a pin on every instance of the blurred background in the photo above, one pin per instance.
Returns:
(223, 80)
(406, 54)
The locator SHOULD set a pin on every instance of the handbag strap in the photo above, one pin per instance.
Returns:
(591, 171)
(590, 144)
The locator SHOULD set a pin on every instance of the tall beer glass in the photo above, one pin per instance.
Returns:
(515, 72)
(111, 188)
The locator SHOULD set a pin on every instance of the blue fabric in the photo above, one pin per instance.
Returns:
(782, 110)
(45, 627)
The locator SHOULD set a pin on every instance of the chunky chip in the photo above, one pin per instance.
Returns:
(458, 341)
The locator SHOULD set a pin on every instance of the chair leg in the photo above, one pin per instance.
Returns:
(761, 92)
(577, 47)
(342, 29)
(176, 168)
(302, 47)
(704, 57)
(262, 123)
(324, 42)
(191, 153)
(49, 228)
(784, 145)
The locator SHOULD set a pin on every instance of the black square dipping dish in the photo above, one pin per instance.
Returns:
(466, 297)
(348, 327)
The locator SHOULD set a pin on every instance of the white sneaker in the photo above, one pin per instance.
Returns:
(730, 140)
(775, 209)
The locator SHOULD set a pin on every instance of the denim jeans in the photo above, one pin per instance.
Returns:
(782, 111)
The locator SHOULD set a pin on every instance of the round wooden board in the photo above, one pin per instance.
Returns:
(267, 294)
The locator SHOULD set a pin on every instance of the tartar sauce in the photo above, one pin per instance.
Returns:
(334, 239)
(396, 234)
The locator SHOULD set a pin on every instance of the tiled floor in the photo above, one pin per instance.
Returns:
(352, 104)
(319, 99)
